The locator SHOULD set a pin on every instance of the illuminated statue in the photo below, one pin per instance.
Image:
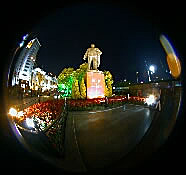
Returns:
(93, 54)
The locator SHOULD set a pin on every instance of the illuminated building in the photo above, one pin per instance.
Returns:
(42, 81)
(25, 63)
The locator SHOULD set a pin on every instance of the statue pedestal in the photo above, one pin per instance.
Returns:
(95, 84)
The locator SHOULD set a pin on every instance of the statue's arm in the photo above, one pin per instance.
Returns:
(86, 54)
(99, 52)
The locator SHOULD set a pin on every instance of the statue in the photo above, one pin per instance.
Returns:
(93, 54)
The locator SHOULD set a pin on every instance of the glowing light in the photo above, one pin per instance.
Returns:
(55, 96)
(30, 122)
(150, 100)
(25, 37)
(152, 68)
(13, 112)
(21, 44)
(174, 65)
(128, 96)
(95, 85)
(172, 60)
(166, 45)
(29, 45)
(20, 113)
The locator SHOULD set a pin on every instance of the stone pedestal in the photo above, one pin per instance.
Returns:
(95, 84)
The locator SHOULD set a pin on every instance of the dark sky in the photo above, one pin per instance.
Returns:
(126, 40)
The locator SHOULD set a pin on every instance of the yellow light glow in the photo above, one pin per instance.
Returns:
(174, 65)
(172, 60)
(12, 112)
(29, 45)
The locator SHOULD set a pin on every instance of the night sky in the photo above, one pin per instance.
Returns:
(126, 41)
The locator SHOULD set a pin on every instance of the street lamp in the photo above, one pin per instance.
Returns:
(137, 76)
(152, 69)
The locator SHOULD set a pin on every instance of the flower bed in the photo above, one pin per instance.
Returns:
(95, 104)
(44, 113)
(137, 100)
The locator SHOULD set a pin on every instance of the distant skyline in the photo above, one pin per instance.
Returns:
(126, 41)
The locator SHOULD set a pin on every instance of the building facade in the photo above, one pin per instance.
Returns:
(41, 81)
(25, 63)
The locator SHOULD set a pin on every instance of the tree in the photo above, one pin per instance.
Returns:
(108, 83)
(106, 91)
(75, 90)
(81, 71)
(69, 76)
(83, 89)
(65, 75)
(65, 79)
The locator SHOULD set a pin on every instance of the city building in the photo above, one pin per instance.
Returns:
(41, 81)
(25, 64)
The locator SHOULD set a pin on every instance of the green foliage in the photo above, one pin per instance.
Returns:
(68, 77)
(74, 85)
(108, 83)
(83, 89)
(80, 73)
(65, 76)
(66, 92)
(75, 90)
(106, 91)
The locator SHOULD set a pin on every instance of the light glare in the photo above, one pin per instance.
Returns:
(152, 68)
(12, 112)
(150, 100)
(20, 113)
(30, 122)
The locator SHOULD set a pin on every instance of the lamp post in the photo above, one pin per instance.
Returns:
(137, 77)
(149, 75)
(151, 71)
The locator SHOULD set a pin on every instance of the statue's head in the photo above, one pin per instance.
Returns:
(92, 45)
